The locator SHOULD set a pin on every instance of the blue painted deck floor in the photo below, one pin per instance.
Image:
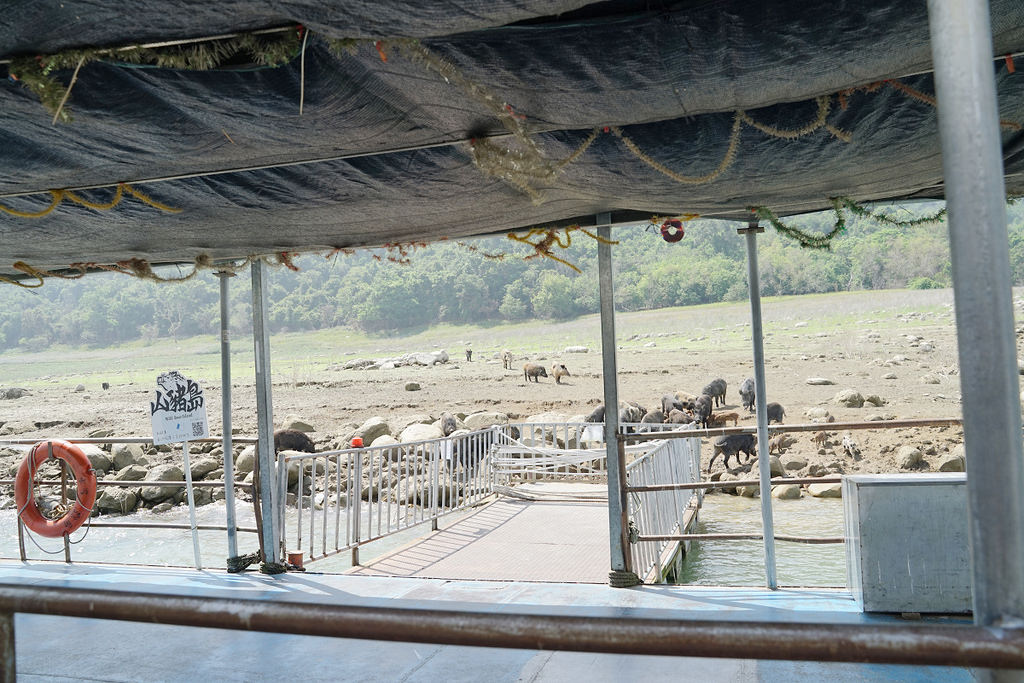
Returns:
(68, 649)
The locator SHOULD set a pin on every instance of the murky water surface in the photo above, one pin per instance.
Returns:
(741, 563)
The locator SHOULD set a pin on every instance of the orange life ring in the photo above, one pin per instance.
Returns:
(85, 480)
(672, 231)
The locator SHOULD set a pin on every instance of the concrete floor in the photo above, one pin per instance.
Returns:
(54, 648)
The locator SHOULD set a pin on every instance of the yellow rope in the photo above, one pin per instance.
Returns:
(58, 196)
(146, 199)
(730, 155)
(824, 104)
(118, 194)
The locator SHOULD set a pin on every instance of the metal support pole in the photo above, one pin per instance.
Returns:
(618, 509)
(190, 495)
(265, 414)
(975, 196)
(225, 409)
(763, 459)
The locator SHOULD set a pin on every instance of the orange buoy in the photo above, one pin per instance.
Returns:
(85, 480)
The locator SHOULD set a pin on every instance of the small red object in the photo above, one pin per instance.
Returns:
(357, 442)
(607, 129)
(1009, 64)
(380, 51)
(672, 231)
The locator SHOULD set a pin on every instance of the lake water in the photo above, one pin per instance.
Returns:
(709, 563)
(741, 563)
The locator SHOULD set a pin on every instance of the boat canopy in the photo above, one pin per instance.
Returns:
(263, 127)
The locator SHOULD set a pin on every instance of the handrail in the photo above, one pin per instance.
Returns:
(805, 427)
(921, 644)
(729, 483)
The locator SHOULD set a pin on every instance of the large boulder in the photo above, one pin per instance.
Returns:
(825, 490)
(116, 499)
(125, 454)
(786, 491)
(849, 398)
(158, 494)
(420, 432)
(909, 457)
(387, 440)
(817, 414)
(297, 423)
(482, 420)
(203, 466)
(819, 381)
(576, 349)
(953, 464)
(10, 393)
(97, 457)
(246, 461)
(795, 462)
(373, 428)
(131, 473)
(400, 423)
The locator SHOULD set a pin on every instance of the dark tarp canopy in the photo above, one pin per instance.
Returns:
(686, 104)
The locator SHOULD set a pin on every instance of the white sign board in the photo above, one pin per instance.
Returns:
(179, 411)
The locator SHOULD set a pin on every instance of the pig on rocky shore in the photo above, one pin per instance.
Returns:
(293, 440)
(733, 445)
(535, 371)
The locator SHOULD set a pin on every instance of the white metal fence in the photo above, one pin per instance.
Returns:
(672, 461)
(349, 497)
(529, 451)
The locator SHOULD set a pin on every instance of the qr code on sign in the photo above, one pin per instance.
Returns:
(197, 429)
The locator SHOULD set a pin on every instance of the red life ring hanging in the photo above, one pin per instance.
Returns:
(85, 480)
(672, 231)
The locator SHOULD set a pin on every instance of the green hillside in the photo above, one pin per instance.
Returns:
(448, 283)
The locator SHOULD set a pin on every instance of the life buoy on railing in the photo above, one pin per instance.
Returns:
(85, 481)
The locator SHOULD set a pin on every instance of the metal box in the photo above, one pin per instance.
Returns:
(907, 542)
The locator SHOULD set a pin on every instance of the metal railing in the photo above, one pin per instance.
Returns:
(530, 451)
(347, 498)
(662, 511)
(59, 487)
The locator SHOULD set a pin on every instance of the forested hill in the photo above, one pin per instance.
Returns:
(449, 282)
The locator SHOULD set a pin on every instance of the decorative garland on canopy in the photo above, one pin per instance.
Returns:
(269, 49)
(812, 240)
(58, 197)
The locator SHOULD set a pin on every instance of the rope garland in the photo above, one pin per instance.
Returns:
(553, 237)
(813, 240)
(59, 196)
(268, 49)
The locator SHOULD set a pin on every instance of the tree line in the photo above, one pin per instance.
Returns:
(448, 283)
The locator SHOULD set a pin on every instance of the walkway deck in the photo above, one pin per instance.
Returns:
(82, 650)
(513, 540)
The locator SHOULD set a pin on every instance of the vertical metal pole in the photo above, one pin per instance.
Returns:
(225, 410)
(763, 459)
(975, 196)
(64, 500)
(357, 495)
(8, 671)
(191, 505)
(618, 510)
(265, 414)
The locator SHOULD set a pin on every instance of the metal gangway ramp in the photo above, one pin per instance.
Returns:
(550, 521)
(514, 540)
